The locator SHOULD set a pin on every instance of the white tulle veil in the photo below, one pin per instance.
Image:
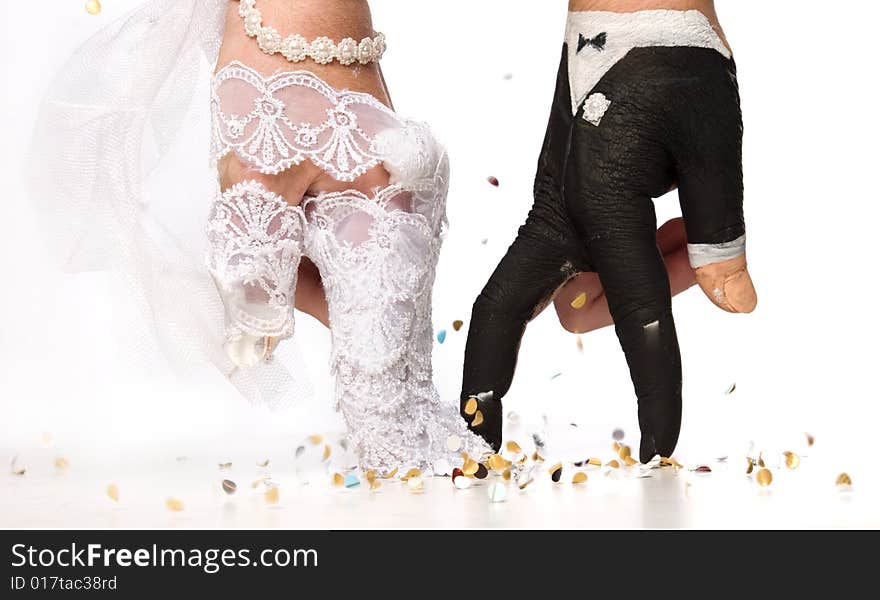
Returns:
(116, 193)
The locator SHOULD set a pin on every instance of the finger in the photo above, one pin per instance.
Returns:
(310, 297)
(671, 236)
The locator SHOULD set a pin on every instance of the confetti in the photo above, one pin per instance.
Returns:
(507, 76)
(174, 505)
(470, 467)
(46, 440)
(613, 464)
(792, 460)
(751, 467)
(670, 462)
(315, 439)
(623, 452)
(459, 480)
(506, 475)
(555, 375)
(299, 451)
(16, 470)
(630, 461)
(93, 7)
(761, 460)
(843, 479)
(456, 325)
(810, 439)
(579, 301)
(263, 464)
(225, 466)
(470, 407)
(484, 241)
(731, 389)
(272, 495)
(596, 462)
(441, 336)
(453, 443)
(338, 480)
(351, 481)
(478, 419)
(415, 483)
(764, 477)
(497, 463)
(61, 463)
(537, 457)
(391, 474)
(580, 343)
(482, 472)
(442, 467)
(579, 477)
(492, 180)
(327, 451)
(703, 469)
(411, 473)
(556, 472)
(113, 492)
(513, 447)
(497, 492)
(375, 485)
(229, 486)
(257, 482)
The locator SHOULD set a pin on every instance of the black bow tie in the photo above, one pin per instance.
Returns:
(597, 42)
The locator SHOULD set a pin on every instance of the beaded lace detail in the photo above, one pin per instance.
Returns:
(279, 121)
(377, 253)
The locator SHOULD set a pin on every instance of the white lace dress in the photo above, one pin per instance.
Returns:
(377, 253)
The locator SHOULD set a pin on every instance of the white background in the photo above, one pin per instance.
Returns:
(806, 360)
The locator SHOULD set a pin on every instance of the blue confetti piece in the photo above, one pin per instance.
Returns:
(441, 336)
(351, 481)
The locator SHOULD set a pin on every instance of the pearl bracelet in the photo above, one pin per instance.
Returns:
(296, 48)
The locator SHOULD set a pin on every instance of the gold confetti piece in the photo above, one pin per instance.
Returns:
(537, 457)
(761, 460)
(391, 474)
(624, 452)
(579, 477)
(630, 461)
(263, 464)
(580, 343)
(370, 475)
(579, 301)
(497, 463)
(525, 484)
(670, 462)
(415, 483)
(613, 464)
(411, 473)
(456, 325)
(810, 439)
(470, 407)
(257, 482)
(375, 485)
(764, 477)
(315, 439)
(616, 446)
(61, 463)
(556, 472)
(522, 460)
(478, 419)
(506, 475)
(16, 470)
(731, 389)
(596, 462)
(843, 479)
(272, 495)
(224, 466)
(338, 479)
(326, 452)
(792, 460)
(113, 492)
(93, 7)
(470, 467)
(751, 467)
(229, 486)
(174, 505)
(513, 447)
(46, 440)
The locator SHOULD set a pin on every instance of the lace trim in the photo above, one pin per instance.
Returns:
(271, 137)
(255, 246)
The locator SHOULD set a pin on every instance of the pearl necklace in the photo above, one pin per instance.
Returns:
(296, 48)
